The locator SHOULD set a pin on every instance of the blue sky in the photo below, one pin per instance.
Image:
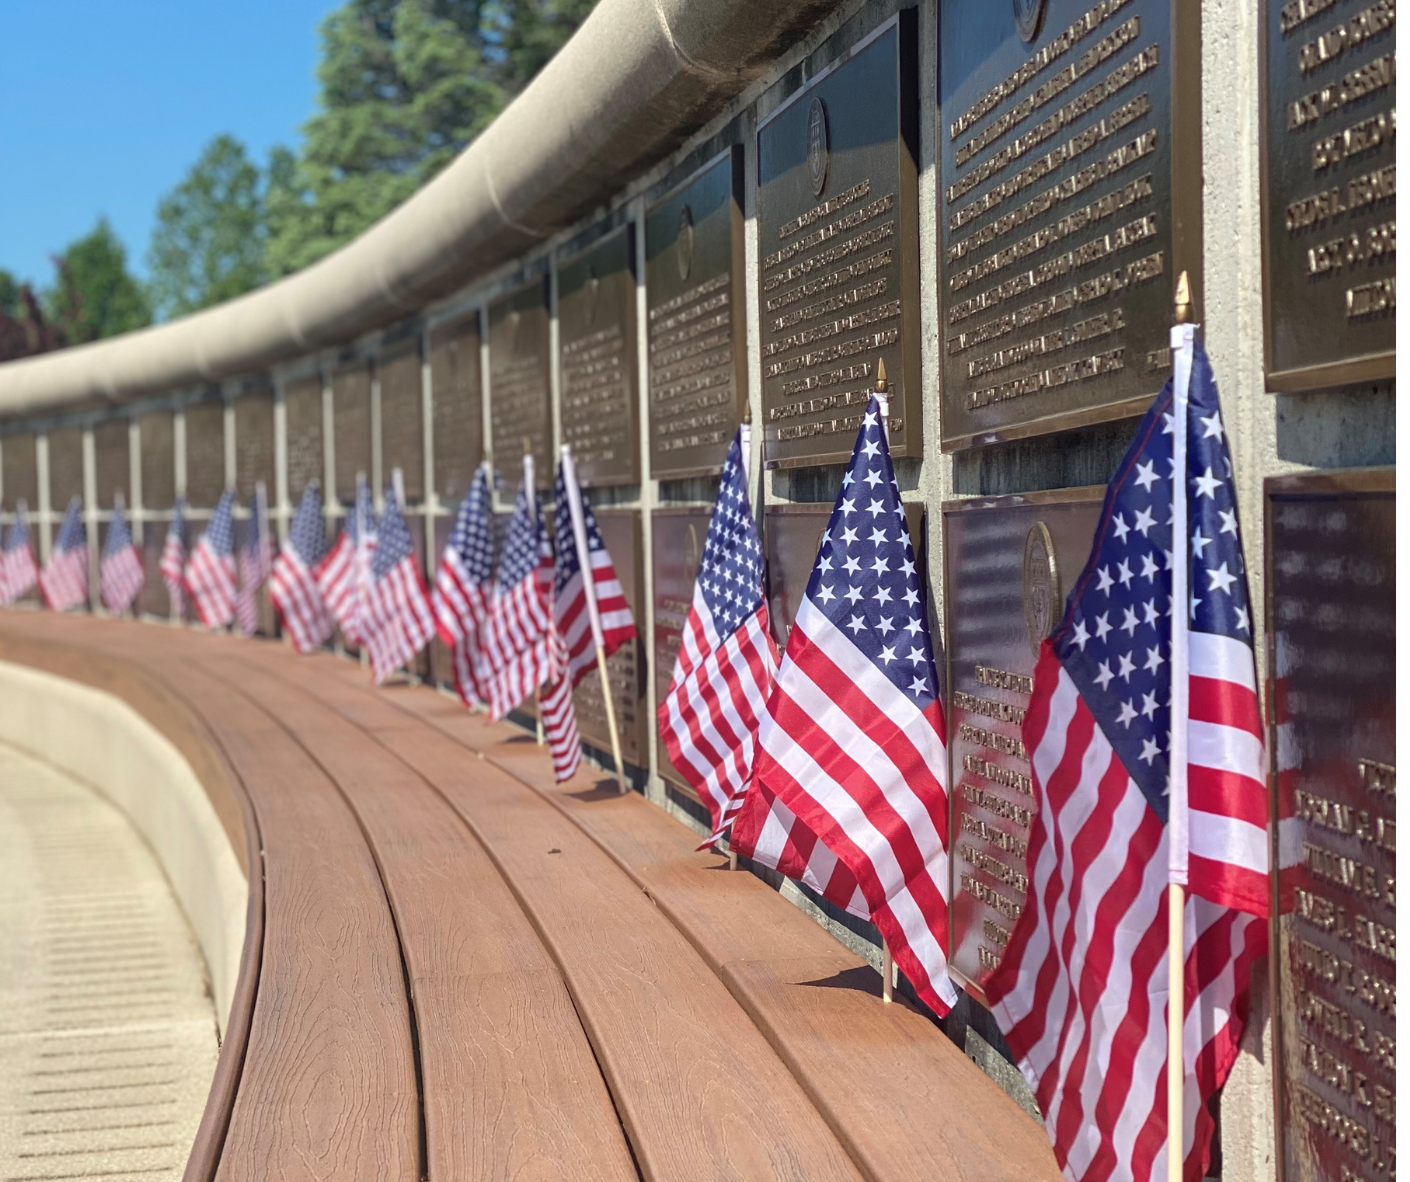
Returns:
(103, 107)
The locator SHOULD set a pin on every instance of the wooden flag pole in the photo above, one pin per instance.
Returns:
(532, 494)
(1177, 823)
(745, 456)
(580, 544)
(882, 393)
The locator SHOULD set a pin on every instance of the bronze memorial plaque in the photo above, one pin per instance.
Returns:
(695, 316)
(626, 668)
(1009, 564)
(1328, 191)
(205, 453)
(839, 265)
(65, 467)
(19, 471)
(111, 470)
(597, 350)
(403, 445)
(303, 434)
(519, 408)
(1331, 629)
(254, 444)
(677, 540)
(352, 428)
(1070, 199)
(156, 430)
(457, 434)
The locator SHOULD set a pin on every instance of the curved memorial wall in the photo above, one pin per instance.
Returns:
(712, 212)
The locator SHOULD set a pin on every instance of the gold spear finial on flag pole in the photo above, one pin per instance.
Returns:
(881, 376)
(1183, 305)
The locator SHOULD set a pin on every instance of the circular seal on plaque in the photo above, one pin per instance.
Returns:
(1041, 587)
(1028, 16)
(817, 145)
(690, 555)
(685, 243)
(590, 299)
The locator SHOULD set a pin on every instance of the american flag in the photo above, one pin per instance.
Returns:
(575, 638)
(210, 574)
(64, 579)
(852, 743)
(465, 587)
(1081, 991)
(120, 573)
(345, 574)
(173, 560)
(727, 660)
(520, 653)
(18, 570)
(399, 621)
(570, 605)
(292, 585)
(256, 564)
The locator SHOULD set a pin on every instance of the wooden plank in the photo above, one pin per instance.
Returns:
(329, 1084)
(881, 1075)
(699, 1091)
(510, 1085)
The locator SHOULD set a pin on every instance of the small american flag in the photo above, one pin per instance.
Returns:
(120, 573)
(256, 564)
(853, 742)
(465, 588)
(64, 579)
(210, 575)
(570, 605)
(399, 619)
(575, 640)
(292, 585)
(520, 654)
(173, 560)
(18, 570)
(345, 574)
(727, 660)
(1082, 987)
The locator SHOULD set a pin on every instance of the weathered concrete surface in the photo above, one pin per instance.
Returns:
(107, 1027)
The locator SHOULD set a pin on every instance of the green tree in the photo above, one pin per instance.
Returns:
(404, 85)
(94, 296)
(208, 243)
(9, 292)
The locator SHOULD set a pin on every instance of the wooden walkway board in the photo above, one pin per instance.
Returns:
(699, 1090)
(511, 1088)
(905, 1101)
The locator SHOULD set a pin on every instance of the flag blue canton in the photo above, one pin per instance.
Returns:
(364, 520)
(865, 580)
(471, 535)
(1114, 639)
(521, 547)
(252, 532)
(731, 576)
(119, 536)
(393, 537)
(565, 548)
(72, 533)
(220, 533)
(177, 528)
(18, 534)
(306, 534)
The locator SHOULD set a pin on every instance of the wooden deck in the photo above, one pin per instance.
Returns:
(456, 969)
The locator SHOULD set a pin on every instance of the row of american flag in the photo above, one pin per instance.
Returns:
(829, 764)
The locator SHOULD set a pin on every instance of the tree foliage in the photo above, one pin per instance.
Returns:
(208, 243)
(404, 85)
(94, 295)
